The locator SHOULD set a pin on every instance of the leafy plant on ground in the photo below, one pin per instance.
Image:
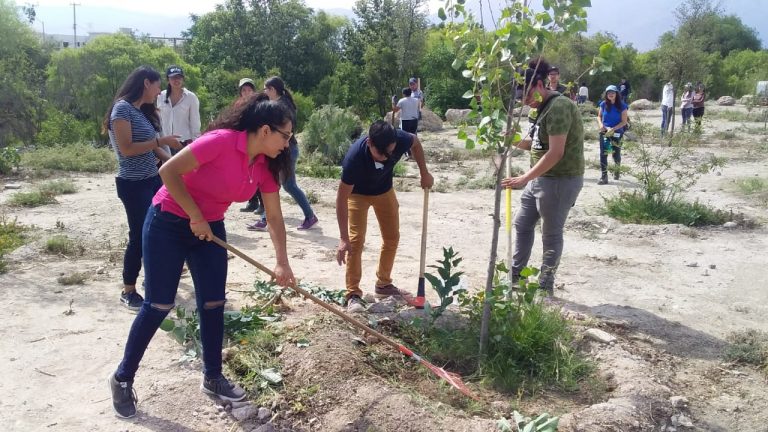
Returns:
(34, 198)
(748, 347)
(755, 188)
(530, 347)
(238, 325)
(664, 172)
(75, 278)
(542, 423)
(58, 187)
(329, 132)
(9, 159)
(11, 237)
(447, 285)
(315, 166)
(78, 157)
(263, 290)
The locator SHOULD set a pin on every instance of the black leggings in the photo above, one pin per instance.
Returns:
(615, 149)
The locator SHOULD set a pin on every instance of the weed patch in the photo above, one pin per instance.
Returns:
(63, 245)
(725, 135)
(749, 347)
(314, 166)
(58, 187)
(641, 209)
(72, 279)
(35, 198)
(11, 237)
(74, 157)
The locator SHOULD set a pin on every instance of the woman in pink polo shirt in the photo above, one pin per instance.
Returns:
(245, 149)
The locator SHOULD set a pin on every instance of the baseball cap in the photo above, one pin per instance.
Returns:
(553, 69)
(612, 88)
(412, 81)
(173, 71)
(245, 81)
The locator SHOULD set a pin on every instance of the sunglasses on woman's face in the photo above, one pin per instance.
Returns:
(286, 135)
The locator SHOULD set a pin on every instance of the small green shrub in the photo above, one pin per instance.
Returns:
(752, 185)
(316, 166)
(748, 347)
(447, 285)
(58, 187)
(11, 237)
(76, 157)
(76, 278)
(725, 135)
(34, 198)
(312, 197)
(638, 208)
(63, 245)
(330, 131)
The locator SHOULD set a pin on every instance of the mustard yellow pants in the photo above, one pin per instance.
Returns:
(387, 211)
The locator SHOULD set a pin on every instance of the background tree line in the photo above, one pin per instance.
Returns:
(50, 96)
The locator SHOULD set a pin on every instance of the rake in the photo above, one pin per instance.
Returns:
(451, 378)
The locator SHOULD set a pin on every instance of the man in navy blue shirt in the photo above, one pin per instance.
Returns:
(366, 181)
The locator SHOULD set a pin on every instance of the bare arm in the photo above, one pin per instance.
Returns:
(550, 159)
(122, 129)
(171, 172)
(276, 227)
(342, 217)
(163, 153)
(417, 151)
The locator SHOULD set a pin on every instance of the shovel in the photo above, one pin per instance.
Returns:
(419, 301)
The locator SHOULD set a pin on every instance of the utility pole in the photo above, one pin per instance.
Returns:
(74, 22)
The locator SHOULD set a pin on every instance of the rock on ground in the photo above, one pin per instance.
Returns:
(457, 116)
(641, 104)
(726, 101)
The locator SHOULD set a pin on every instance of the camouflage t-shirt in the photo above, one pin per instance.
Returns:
(560, 117)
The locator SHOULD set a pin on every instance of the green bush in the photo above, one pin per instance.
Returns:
(748, 347)
(9, 159)
(63, 245)
(75, 157)
(641, 209)
(58, 187)
(60, 128)
(34, 198)
(11, 237)
(330, 131)
(305, 106)
(316, 166)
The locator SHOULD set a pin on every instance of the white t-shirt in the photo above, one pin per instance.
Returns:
(182, 119)
(584, 91)
(667, 96)
(409, 108)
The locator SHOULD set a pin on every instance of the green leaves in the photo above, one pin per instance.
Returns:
(447, 285)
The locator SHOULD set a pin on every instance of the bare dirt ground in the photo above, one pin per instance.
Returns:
(669, 293)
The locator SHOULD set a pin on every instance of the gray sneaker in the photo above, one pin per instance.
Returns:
(132, 300)
(124, 397)
(355, 304)
(221, 388)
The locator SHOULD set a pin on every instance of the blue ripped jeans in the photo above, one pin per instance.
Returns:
(168, 242)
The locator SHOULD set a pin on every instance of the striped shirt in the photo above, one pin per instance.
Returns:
(141, 166)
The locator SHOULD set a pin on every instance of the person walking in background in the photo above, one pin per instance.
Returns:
(275, 88)
(179, 108)
(409, 111)
(612, 117)
(699, 97)
(554, 80)
(555, 178)
(366, 181)
(625, 90)
(245, 89)
(133, 127)
(667, 107)
(244, 150)
(583, 94)
(686, 105)
(416, 92)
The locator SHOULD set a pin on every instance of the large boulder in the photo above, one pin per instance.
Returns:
(747, 100)
(457, 116)
(429, 122)
(726, 101)
(641, 104)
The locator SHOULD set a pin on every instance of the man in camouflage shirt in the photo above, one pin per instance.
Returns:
(555, 178)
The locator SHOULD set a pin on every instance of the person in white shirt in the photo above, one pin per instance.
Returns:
(667, 107)
(409, 115)
(583, 93)
(686, 105)
(179, 108)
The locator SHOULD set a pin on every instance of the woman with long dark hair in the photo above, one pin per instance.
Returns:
(699, 97)
(274, 87)
(245, 149)
(612, 117)
(179, 107)
(133, 126)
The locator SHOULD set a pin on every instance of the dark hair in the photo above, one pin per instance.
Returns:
(168, 89)
(609, 105)
(381, 134)
(277, 83)
(407, 92)
(537, 71)
(133, 90)
(256, 112)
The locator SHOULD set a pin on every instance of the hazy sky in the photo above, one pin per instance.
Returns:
(639, 22)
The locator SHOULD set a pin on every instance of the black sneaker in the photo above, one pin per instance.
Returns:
(222, 388)
(124, 397)
(603, 180)
(355, 304)
(132, 300)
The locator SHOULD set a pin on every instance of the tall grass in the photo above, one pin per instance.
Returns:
(642, 209)
(44, 194)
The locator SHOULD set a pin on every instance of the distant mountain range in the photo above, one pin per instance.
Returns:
(639, 22)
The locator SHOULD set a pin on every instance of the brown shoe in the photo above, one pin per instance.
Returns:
(390, 291)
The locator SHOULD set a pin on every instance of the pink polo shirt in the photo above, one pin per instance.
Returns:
(223, 176)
